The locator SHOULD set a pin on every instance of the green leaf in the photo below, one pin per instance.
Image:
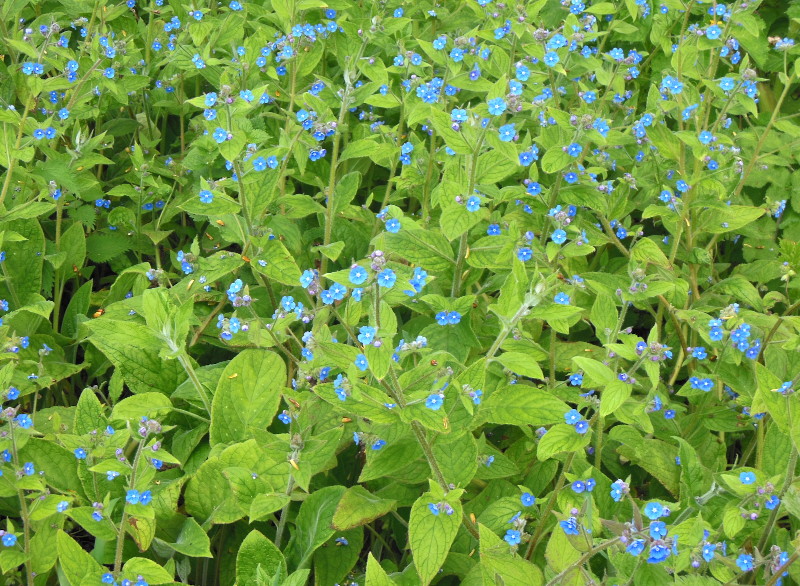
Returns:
(345, 191)
(376, 576)
(192, 541)
(334, 562)
(264, 505)
(152, 572)
(76, 309)
(457, 456)
(76, 564)
(280, 264)
(331, 251)
(561, 438)
(456, 219)
(426, 249)
(313, 523)
(208, 493)
(58, 464)
(523, 405)
(359, 507)
(134, 349)
(257, 552)
(135, 407)
(499, 565)
(720, 219)
(522, 364)
(89, 414)
(554, 160)
(613, 396)
(598, 374)
(247, 396)
(647, 251)
(430, 536)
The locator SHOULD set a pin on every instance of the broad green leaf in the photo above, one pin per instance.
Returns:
(523, 405)
(89, 414)
(335, 561)
(264, 505)
(135, 407)
(152, 572)
(192, 541)
(313, 523)
(75, 563)
(430, 536)
(134, 349)
(58, 464)
(457, 456)
(522, 364)
(598, 374)
(376, 576)
(613, 396)
(359, 507)
(255, 379)
(208, 494)
(257, 552)
(280, 264)
(561, 438)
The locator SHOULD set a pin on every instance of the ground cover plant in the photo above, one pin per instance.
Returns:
(340, 292)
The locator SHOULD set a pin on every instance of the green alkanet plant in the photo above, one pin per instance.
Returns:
(337, 292)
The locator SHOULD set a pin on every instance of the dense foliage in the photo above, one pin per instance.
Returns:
(345, 292)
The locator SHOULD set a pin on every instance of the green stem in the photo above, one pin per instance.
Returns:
(764, 135)
(186, 362)
(121, 533)
(23, 505)
(13, 161)
(790, 470)
(582, 560)
(551, 502)
(284, 513)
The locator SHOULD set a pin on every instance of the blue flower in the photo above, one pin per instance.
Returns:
(473, 203)
(366, 334)
(524, 254)
(561, 299)
(206, 196)
(513, 537)
(551, 58)
(727, 84)
(9, 539)
(434, 402)
(507, 132)
(80, 453)
(570, 526)
(745, 562)
(453, 317)
(24, 421)
(582, 427)
(307, 278)
(220, 135)
(658, 529)
(132, 497)
(747, 477)
(713, 32)
(496, 106)
(559, 236)
(653, 510)
(708, 551)
(635, 547)
(393, 226)
(361, 362)
(358, 275)
(528, 500)
(572, 416)
(386, 278)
